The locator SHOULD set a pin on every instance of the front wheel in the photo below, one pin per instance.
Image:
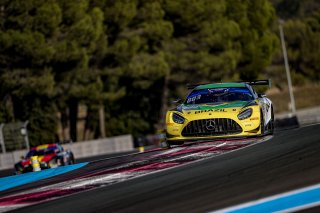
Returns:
(165, 145)
(72, 160)
(176, 143)
(168, 145)
(271, 123)
(269, 128)
(262, 127)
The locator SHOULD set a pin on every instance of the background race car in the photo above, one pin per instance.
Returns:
(221, 110)
(48, 156)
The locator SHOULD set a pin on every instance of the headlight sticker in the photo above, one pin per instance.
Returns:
(245, 114)
(177, 118)
(190, 107)
(255, 118)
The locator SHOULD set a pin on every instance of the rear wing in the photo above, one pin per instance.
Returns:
(252, 83)
(258, 82)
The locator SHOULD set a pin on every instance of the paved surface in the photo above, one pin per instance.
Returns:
(114, 170)
(305, 116)
(288, 161)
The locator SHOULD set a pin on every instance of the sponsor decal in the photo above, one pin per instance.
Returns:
(218, 90)
(210, 110)
(194, 98)
(255, 118)
(268, 106)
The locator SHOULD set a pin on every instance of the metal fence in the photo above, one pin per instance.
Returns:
(14, 136)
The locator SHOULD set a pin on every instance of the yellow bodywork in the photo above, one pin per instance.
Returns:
(250, 126)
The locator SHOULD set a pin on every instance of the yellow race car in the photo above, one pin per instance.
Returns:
(220, 110)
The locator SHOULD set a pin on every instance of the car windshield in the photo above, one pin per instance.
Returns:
(40, 152)
(218, 95)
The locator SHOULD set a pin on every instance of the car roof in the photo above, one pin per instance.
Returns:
(220, 85)
(44, 146)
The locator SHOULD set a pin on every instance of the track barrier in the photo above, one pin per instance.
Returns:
(287, 123)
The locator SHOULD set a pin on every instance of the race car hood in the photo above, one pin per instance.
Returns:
(46, 158)
(226, 107)
(25, 162)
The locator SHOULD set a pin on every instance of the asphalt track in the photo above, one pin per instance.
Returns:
(288, 161)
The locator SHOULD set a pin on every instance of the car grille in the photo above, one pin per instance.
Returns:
(211, 127)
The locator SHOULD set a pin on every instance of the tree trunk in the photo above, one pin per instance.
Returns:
(86, 132)
(73, 115)
(10, 117)
(65, 125)
(164, 103)
(102, 124)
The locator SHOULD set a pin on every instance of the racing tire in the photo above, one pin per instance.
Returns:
(72, 161)
(61, 161)
(18, 170)
(269, 129)
(262, 127)
(271, 123)
(176, 143)
(165, 145)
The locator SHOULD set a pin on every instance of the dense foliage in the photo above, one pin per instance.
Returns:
(301, 24)
(124, 60)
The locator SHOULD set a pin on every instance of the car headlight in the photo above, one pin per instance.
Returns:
(53, 163)
(177, 118)
(44, 164)
(245, 114)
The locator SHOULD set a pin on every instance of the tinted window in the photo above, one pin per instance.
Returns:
(218, 95)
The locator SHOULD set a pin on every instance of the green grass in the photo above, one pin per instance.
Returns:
(307, 96)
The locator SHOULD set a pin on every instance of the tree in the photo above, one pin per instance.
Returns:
(47, 47)
(76, 42)
(134, 64)
(302, 41)
(257, 41)
(123, 60)
(27, 80)
(213, 42)
(295, 9)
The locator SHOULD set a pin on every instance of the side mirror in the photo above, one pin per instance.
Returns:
(261, 95)
(178, 101)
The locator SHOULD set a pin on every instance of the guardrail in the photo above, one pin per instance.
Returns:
(79, 149)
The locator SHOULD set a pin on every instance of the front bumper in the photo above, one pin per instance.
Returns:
(222, 128)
